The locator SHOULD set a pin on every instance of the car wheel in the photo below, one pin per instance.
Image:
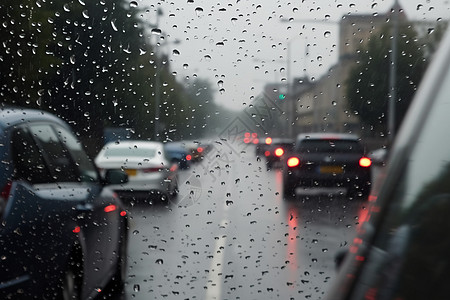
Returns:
(72, 280)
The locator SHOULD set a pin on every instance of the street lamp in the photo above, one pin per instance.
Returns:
(157, 123)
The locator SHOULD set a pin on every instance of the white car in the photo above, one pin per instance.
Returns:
(149, 171)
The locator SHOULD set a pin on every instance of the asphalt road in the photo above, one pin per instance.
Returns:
(231, 235)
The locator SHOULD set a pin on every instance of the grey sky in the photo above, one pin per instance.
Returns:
(243, 43)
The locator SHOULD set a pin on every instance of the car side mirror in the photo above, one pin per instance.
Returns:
(115, 177)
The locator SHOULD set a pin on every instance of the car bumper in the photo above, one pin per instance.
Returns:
(296, 178)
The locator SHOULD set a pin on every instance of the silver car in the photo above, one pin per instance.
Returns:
(149, 171)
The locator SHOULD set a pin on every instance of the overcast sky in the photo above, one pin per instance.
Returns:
(244, 43)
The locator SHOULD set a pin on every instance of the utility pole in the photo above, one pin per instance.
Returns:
(157, 83)
(392, 97)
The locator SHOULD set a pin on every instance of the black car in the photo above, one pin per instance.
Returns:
(402, 248)
(328, 160)
(63, 234)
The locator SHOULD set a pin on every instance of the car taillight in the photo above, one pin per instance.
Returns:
(110, 208)
(279, 152)
(267, 153)
(268, 140)
(199, 149)
(151, 170)
(365, 162)
(188, 157)
(293, 162)
(4, 195)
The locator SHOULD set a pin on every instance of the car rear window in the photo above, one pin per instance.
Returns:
(130, 152)
(329, 145)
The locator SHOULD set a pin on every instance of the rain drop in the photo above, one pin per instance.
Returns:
(156, 31)
(133, 4)
(136, 288)
(113, 25)
(327, 34)
(175, 52)
(159, 261)
(198, 11)
(85, 14)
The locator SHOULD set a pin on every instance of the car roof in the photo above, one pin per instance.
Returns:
(12, 116)
(327, 135)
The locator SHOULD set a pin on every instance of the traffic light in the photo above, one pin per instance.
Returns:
(282, 96)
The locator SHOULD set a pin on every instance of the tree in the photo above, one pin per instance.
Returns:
(368, 83)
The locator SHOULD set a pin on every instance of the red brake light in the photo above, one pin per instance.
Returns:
(279, 152)
(123, 213)
(247, 140)
(77, 229)
(255, 141)
(267, 153)
(4, 195)
(199, 149)
(110, 208)
(247, 134)
(254, 135)
(293, 162)
(365, 162)
(6, 190)
(188, 157)
(268, 140)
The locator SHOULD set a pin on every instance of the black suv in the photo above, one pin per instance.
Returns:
(328, 160)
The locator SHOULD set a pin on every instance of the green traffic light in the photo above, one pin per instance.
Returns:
(282, 96)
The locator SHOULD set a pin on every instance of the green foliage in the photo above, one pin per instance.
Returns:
(368, 83)
(91, 63)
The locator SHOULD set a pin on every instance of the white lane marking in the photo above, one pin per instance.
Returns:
(214, 283)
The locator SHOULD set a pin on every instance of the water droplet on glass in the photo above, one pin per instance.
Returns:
(156, 31)
(113, 25)
(222, 90)
(175, 52)
(159, 261)
(136, 232)
(136, 288)
(66, 7)
(82, 2)
(198, 11)
(327, 34)
(133, 4)
(220, 83)
(185, 66)
(85, 14)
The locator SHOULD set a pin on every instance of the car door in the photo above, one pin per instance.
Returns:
(99, 213)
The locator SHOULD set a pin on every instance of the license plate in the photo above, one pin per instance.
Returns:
(131, 172)
(331, 169)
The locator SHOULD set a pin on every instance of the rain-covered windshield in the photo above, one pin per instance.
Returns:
(219, 81)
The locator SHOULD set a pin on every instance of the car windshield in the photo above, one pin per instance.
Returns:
(223, 216)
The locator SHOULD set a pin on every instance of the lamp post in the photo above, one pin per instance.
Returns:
(393, 75)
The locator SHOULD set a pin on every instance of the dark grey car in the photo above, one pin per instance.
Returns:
(326, 159)
(63, 234)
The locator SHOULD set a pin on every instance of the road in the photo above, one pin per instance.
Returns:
(231, 235)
